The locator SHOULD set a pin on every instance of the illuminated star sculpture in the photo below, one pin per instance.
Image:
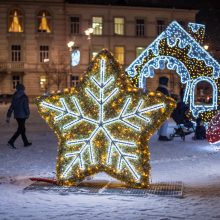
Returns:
(104, 125)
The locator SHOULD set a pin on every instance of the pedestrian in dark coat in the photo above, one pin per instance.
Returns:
(20, 107)
(162, 132)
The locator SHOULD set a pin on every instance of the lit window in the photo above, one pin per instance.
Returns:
(15, 21)
(203, 93)
(74, 25)
(74, 80)
(16, 79)
(44, 22)
(140, 27)
(15, 53)
(119, 54)
(119, 26)
(43, 83)
(139, 50)
(44, 53)
(160, 26)
(97, 24)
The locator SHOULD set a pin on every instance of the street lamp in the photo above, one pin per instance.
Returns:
(46, 60)
(44, 81)
(206, 46)
(88, 32)
(70, 44)
(74, 55)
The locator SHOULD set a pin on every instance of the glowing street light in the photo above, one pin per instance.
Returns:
(206, 46)
(70, 44)
(88, 32)
(46, 60)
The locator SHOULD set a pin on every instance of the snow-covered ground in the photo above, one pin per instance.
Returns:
(195, 163)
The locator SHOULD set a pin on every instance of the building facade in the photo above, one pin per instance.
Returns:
(34, 38)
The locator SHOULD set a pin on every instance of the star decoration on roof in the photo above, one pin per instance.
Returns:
(104, 125)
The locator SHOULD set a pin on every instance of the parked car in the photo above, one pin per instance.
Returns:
(5, 98)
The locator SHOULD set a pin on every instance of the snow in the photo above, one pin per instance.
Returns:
(195, 163)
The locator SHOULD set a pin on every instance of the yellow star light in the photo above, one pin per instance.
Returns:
(104, 125)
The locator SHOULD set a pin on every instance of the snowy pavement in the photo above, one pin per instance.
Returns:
(195, 163)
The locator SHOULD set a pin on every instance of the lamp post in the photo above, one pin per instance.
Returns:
(46, 80)
(88, 32)
(70, 45)
(74, 54)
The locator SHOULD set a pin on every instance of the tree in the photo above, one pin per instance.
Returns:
(56, 73)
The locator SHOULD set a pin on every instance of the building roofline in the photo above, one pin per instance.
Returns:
(187, 4)
(132, 7)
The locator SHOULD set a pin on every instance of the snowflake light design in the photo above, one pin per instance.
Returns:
(104, 125)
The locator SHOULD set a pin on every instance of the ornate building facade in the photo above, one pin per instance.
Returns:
(34, 38)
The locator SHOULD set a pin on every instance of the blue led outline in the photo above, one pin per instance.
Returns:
(173, 33)
(184, 39)
(195, 26)
(170, 62)
(166, 62)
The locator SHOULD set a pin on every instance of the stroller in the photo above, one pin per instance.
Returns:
(184, 125)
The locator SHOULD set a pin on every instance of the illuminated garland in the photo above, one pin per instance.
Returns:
(179, 50)
(104, 125)
(213, 131)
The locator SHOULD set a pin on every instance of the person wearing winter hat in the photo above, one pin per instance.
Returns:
(163, 83)
(20, 107)
(162, 132)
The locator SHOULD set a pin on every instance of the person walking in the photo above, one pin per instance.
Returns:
(163, 130)
(20, 107)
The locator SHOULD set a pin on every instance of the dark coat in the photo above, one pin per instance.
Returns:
(19, 105)
(179, 114)
(163, 89)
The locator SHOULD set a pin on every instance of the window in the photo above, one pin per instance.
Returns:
(203, 93)
(74, 25)
(16, 79)
(15, 21)
(119, 54)
(139, 50)
(140, 27)
(97, 24)
(44, 22)
(15, 53)
(43, 83)
(160, 26)
(74, 80)
(44, 53)
(119, 26)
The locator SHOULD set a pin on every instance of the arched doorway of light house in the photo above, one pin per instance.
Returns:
(174, 82)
